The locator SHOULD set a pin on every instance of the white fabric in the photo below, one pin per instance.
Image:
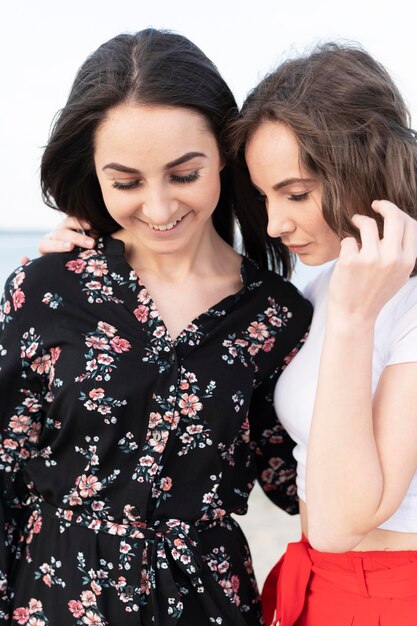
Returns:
(395, 342)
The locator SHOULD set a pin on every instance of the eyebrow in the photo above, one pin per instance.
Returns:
(292, 181)
(131, 170)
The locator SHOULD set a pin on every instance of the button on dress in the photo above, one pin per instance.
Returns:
(125, 456)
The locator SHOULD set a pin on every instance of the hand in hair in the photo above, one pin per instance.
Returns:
(368, 274)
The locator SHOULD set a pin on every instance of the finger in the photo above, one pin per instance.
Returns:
(394, 224)
(77, 238)
(410, 240)
(349, 249)
(24, 260)
(48, 245)
(368, 230)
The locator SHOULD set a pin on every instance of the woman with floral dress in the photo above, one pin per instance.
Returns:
(136, 378)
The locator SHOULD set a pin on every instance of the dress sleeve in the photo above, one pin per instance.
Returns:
(20, 424)
(272, 448)
(271, 444)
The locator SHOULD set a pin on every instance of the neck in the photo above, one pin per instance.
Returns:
(203, 256)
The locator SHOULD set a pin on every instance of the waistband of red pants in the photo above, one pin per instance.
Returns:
(370, 574)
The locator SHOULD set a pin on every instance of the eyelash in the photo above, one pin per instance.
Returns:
(299, 197)
(182, 180)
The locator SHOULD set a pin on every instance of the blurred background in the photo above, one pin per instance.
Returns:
(43, 43)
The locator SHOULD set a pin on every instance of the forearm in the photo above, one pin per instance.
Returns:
(344, 477)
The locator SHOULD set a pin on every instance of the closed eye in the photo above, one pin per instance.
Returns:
(126, 186)
(299, 197)
(188, 178)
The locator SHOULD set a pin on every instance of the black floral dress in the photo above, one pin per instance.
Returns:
(124, 453)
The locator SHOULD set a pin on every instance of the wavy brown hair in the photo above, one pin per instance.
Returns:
(352, 126)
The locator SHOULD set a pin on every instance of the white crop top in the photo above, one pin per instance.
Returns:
(395, 342)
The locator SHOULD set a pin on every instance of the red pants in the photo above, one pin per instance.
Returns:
(311, 588)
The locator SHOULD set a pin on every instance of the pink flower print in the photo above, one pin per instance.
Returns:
(194, 429)
(32, 349)
(21, 615)
(86, 254)
(34, 432)
(172, 418)
(159, 332)
(191, 377)
(223, 567)
(258, 330)
(157, 440)
(95, 587)
(267, 475)
(142, 313)
(254, 349)
(107, 329)
(90, 406)
(42, 364)
(91, 365)
(92, 619)
(105, 359)
(97, 343)
(35, 606)
(93, 285)
(190, 404)
(276, 321)
(20, 423)
(268, 344)
(76, 608)
(97, 505)
(155, 419)
(89, 486)
(276, 463)
(120, 345)
(96, 393)
(95, 524)
(36, 621)
(166, 483)
(146, 461)
(47, 580)
(97, 267)
(116, 529)
(18, 299)
(184, 385)
(7, 307)
(235, 583)
(18, 279)
(74, 499)
(88, 598)
(10, 444)
(77, 266)
(144, 296)
(55, 354)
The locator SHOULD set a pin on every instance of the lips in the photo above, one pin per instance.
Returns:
(294, 247)
(162, 227)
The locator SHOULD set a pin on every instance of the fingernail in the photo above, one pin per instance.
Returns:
(89, 242)
(67, 245)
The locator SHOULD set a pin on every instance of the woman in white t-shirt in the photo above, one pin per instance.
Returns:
(324, 136)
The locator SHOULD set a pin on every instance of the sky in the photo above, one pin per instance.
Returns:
(43, 43)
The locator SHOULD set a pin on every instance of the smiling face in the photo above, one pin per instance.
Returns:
(158, 168)
(292, 194)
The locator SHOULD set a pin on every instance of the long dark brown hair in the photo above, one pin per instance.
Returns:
(149, 67)
(352, 127)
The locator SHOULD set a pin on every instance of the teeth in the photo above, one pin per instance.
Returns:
(169, 226)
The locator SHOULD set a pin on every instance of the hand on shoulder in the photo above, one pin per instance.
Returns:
(67, 235)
